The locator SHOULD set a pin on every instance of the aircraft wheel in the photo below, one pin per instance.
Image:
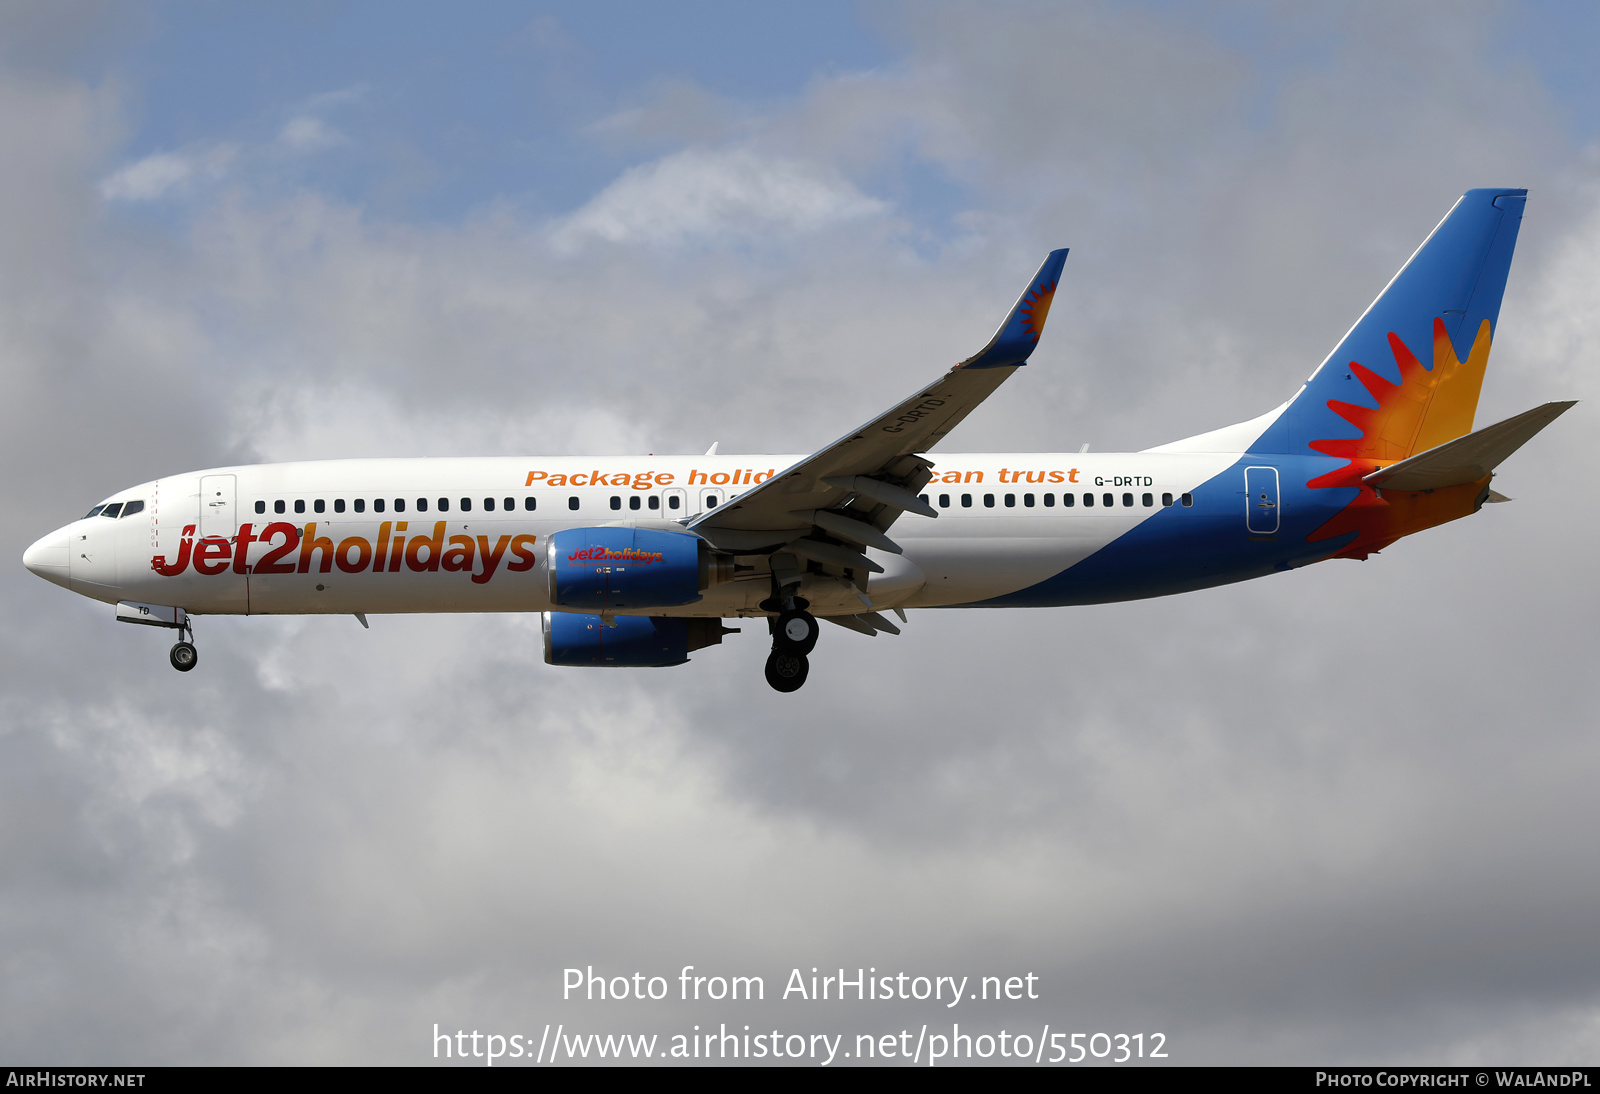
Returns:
(786, 671)
(184, 656)
(796, 632)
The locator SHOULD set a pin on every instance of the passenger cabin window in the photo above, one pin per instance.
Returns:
(711, 501)
(572, 501)
(674, 501)
(111, 510)
(966, 501)
(616, 501)
(1108, 500)
(338, 505)
(530, 504)
(1148, 500)
(1011, 501)
(1050, 500)
(399, 505)
(511, 503)
(422, 505)
(299, 505)
(1027, 501)
(1188, 499)
(633, 502)
(655, 502)
(944, 501)
(261, 507)
(1166, 499)
(988, 500)
(278, 506)
(319, 506)
(444, 505)
(1088, 499)
(488, 505)
(377, 505)
(1127, 501)
(361, 505)
(132, 507)
(466, 505)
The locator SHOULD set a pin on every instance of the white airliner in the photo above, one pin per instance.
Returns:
(637, 560)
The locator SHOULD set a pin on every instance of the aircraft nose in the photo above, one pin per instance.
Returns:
(48, 557)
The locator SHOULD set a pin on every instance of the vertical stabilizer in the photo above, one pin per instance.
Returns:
(1406, 377)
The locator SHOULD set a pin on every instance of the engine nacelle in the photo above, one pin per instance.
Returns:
(620, 569)
(636, 641)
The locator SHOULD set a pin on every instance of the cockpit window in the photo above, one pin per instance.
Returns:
(111, 510)
(95, 512)
(132, 507)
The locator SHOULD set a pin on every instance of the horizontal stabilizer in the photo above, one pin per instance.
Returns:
(1469, 458)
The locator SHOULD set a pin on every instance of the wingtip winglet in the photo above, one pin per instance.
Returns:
(1020, 332)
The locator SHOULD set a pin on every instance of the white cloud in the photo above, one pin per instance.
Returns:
(308, 134)
(167, 173)
(701, 196)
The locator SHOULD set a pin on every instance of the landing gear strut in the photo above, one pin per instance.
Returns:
(794, 635)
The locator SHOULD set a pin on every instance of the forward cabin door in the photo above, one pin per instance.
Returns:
(227, 591)
(217, 515)
(1261, 515)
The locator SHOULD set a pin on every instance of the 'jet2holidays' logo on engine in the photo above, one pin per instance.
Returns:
(604, 554)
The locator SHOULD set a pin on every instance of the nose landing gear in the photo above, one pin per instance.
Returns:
(794, 635)
(184, 656)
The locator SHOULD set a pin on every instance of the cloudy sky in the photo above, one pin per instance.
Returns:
(1345, 814)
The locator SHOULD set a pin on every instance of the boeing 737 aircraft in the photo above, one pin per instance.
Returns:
(637, 560)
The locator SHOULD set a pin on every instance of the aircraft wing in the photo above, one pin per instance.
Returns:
(831, 504)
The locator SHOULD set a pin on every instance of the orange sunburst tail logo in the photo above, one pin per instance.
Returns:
(1424, 410)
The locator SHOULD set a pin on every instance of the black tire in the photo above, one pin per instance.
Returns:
(184, 656)
(786, 671)
(796, 632)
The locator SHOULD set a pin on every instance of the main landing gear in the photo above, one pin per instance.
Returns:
(794, 635)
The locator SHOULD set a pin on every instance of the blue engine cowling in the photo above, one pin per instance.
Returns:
(636, 641)
(621, 569)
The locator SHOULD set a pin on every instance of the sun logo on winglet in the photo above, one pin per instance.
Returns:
(1036, 308)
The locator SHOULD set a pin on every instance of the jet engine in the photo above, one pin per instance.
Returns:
(634, 641)
(610, 569)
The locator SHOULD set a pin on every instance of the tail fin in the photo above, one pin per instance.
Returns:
(1019, 334)
(1447, 295)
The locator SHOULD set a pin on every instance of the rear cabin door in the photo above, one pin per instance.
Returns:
(1261, 514)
